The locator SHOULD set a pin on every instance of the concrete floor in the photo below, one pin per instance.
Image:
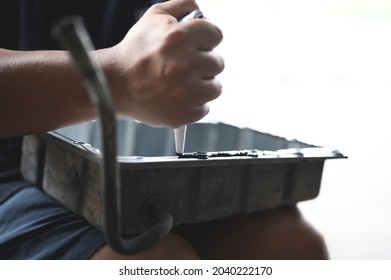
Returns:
(324, 80)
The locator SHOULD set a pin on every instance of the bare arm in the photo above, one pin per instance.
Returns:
(162, 73)
(40, 90)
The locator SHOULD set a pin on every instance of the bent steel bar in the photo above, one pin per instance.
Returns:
(72, 35)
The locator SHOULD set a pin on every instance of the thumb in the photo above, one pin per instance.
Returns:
(175, 8)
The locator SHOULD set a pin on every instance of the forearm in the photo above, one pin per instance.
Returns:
(41, 91)
(162, 73)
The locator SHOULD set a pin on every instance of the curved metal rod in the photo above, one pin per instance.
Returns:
(72, 35)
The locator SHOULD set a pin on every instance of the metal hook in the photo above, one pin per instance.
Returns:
(72, 35)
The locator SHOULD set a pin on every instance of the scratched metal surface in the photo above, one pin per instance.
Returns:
(192, 190)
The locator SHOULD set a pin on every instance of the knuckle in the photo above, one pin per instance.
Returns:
(174, 38)
(216, 35)
(219, 89)
(220, 63)
(201, 111)
(219, 34)
(174, 69)
(216, 89)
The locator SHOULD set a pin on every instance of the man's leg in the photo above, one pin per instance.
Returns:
(281, 233)
(171, 247)
(276, 234)
(35, 226)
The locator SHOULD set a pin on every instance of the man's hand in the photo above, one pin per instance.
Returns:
(162, 73)
(167, 68)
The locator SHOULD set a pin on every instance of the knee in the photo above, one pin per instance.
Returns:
(171, 247)
(278, 234)
(313, 244)
(304, 241)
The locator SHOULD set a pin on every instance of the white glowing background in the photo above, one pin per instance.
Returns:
(320, 72)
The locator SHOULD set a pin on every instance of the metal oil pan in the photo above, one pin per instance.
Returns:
(191, 190)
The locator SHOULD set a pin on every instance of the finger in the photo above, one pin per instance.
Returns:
(212, 87)
(192, 104)
(195, 114)
(199, 112)
(204, 34)
(184, 114)
(202, 92)
(175, 8)
(208, 64)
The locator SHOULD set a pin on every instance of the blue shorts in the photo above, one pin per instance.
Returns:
(35, 226)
